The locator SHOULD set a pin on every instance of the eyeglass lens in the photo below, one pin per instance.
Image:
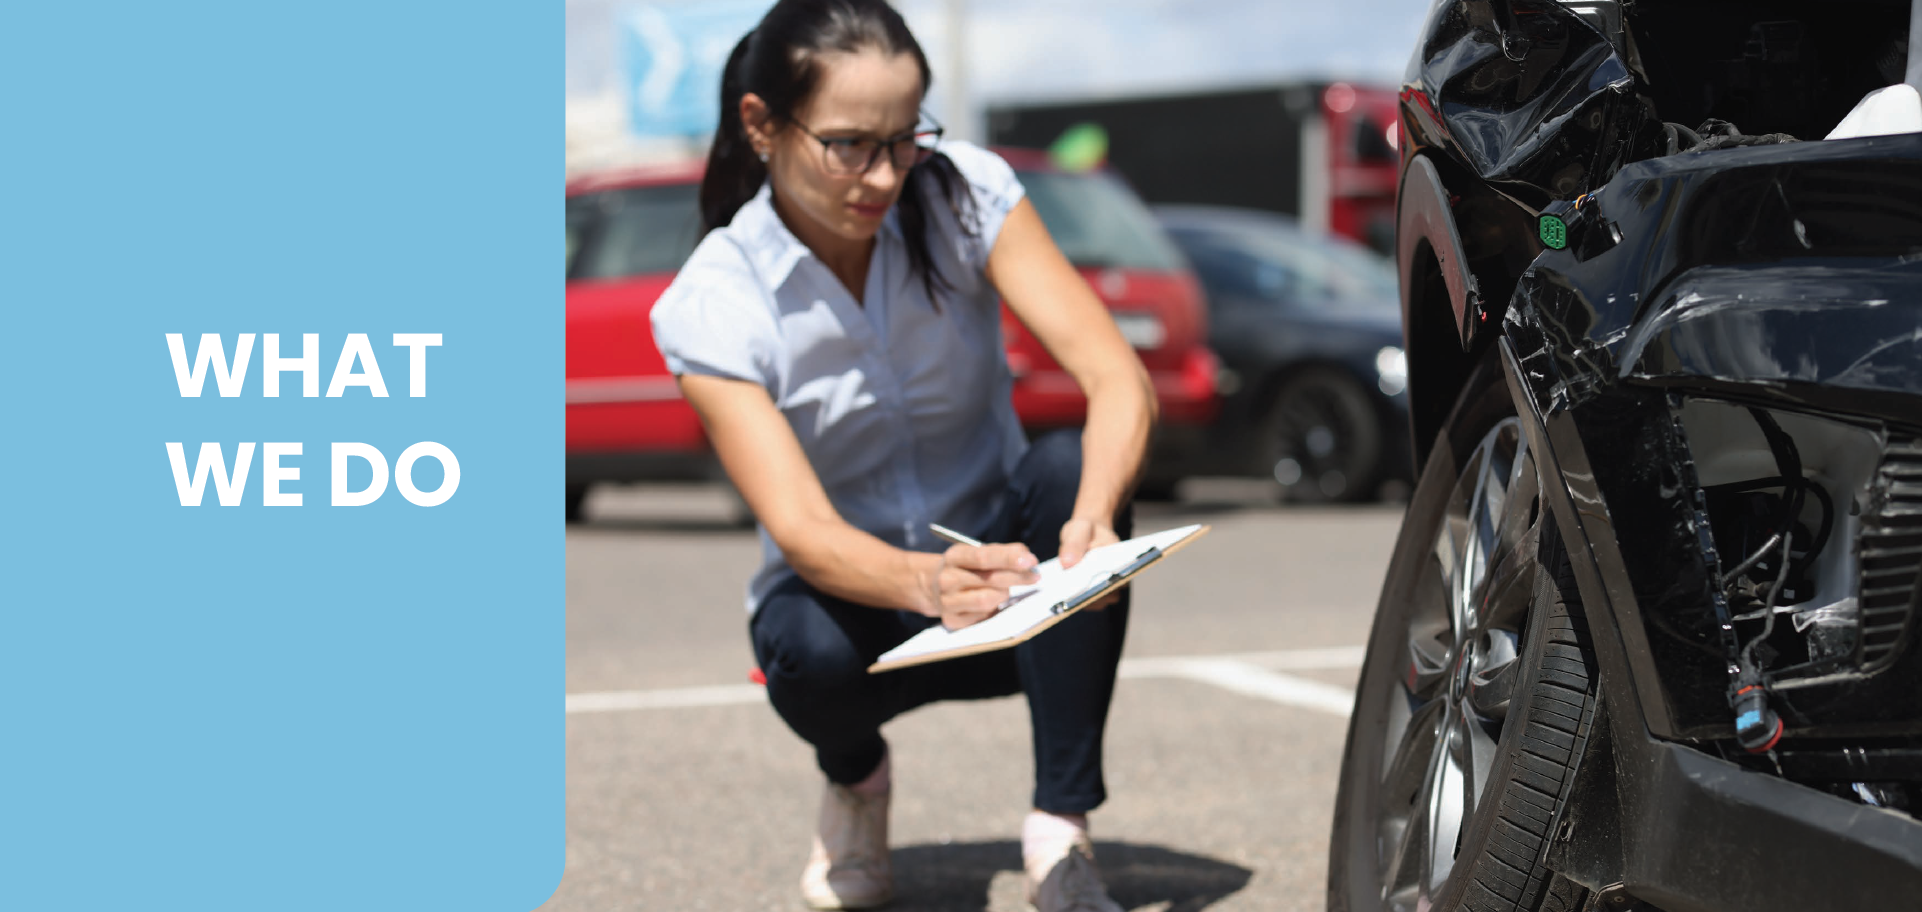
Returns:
(858, 156)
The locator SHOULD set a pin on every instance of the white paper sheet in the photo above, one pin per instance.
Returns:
(1034, 605)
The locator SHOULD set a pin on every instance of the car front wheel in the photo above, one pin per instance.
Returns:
(1476, 697)
(1321, 438)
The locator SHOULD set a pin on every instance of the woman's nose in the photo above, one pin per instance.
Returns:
(884, 175)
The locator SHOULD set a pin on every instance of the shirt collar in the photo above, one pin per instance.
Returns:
(770, 245)
(773, 248)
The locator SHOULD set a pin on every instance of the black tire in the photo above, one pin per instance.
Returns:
(1321, 438)
(576, 496)
(1461, 751)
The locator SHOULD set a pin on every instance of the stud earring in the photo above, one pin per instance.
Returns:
(763, 156)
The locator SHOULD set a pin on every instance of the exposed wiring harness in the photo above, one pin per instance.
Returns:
(1819, 537)
(1757, 726)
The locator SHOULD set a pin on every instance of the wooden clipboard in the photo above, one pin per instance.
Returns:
(1060, 594)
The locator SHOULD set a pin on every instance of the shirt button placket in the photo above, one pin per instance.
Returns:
(914, 509)
(913, 504)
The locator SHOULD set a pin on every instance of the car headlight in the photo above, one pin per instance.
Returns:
(1391, 369)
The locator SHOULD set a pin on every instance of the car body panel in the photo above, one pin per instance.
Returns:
(1778, 277)
(1717, 281)
(1529, 95)
(1424, 219)
(620, 396)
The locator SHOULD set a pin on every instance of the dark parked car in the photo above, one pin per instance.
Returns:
(1648, 638)
(1308, 330)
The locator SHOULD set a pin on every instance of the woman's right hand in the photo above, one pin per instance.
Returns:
(971, 582)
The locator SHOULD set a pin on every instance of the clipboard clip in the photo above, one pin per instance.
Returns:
(1101, 585)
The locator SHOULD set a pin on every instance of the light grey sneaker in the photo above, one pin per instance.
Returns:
(1072, 884)
(849, 867)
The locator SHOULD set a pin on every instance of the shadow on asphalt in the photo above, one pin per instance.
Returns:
(955, 877)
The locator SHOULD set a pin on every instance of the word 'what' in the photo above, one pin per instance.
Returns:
(229, 377)
(356, 366)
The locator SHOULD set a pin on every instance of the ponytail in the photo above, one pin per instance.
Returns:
(734, 171)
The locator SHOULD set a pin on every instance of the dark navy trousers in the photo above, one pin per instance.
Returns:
(815, 650)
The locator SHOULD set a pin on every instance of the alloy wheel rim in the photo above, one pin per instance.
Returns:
(1458, 668)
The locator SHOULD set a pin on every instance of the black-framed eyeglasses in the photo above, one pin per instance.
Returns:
(850, 155)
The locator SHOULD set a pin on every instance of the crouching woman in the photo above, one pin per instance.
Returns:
(838, 330)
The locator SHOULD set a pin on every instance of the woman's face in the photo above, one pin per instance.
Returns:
(863, 95)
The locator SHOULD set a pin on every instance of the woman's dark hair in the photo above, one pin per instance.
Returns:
(780, 61)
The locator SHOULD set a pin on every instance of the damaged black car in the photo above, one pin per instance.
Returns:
(1648, 637)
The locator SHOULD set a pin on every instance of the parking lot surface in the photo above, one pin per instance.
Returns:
(686, 792)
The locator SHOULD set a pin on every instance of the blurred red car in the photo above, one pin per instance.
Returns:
(628, 231)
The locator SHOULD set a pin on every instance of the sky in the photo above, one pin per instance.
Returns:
(1075, 48)
(1020, 50)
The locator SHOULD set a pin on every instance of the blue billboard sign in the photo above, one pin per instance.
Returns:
(674, 54)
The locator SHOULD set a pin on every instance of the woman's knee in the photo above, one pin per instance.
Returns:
(813, 665)
(803, 653)
(827, 697)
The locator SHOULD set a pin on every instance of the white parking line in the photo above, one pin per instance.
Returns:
(672, 698)
(1250, 674)
(1253, 681)
(1276, 660)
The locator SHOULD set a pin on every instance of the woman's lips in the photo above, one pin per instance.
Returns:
(872, 211)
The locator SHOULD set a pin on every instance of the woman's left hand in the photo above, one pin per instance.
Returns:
(1078, 537)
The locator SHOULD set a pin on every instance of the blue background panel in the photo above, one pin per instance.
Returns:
(259, 707)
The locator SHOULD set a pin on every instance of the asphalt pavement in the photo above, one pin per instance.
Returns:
(686, 792)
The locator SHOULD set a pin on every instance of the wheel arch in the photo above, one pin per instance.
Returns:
(1438, 293)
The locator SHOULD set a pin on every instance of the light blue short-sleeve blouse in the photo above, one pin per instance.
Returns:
(903, 409)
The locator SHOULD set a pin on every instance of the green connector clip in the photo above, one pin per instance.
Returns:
(1554, 232)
